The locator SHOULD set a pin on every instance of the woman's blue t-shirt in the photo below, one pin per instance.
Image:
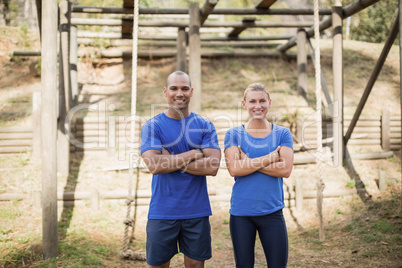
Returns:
(257, 193)
(178, 195)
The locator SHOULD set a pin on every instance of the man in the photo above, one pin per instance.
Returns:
(180, 148)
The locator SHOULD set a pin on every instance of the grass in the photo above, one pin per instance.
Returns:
(379, 224)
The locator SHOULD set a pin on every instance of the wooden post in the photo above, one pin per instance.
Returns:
(301, 63)
(39, 13)
(63, 144)
(36, 133)
(65, 18)
(50, 243)
(73, 65)
(337, 68)
(386, 130)
(181, 50)
(95, 199)
(400, 65)
(195, 56)
(373, 78)
(299, 194)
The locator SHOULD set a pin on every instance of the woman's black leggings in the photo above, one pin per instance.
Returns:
(273, 235)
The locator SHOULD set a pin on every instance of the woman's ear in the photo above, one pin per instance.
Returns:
(244, 104)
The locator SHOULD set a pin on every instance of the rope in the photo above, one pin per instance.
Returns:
(320, 183)
(130, 222)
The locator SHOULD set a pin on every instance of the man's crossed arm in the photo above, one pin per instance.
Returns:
(197, 162)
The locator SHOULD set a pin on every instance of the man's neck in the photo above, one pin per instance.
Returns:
(177, 113)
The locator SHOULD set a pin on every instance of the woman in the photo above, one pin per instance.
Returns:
(258, 155)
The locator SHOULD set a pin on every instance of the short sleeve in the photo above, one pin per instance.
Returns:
(231, 138)
(210, 139)
(150, 138)
(286, 139)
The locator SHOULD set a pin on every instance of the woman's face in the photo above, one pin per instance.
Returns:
(257, 104)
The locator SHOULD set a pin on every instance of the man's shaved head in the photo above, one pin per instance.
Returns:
(177, 73)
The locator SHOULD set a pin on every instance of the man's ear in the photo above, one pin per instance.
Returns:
(191, 92)
(164, 91)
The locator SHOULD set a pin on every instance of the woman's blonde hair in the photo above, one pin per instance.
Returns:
(255, 87)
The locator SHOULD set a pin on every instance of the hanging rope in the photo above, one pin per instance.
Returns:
(130, 222)
(320, 182)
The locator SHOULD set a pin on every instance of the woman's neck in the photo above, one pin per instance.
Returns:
(258, 128)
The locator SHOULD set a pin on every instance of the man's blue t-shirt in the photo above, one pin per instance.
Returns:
(178, 195)
(257, 194)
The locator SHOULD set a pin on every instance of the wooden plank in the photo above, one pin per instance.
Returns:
(247, 22)
(182, 24)
(15, 136)
(13, 196)
(14, 149)
(265, 4)
(171, 38)
(207, 9)
(128, 3)
(7, 143)
(183, 11)
(15, 129)
(377, 136)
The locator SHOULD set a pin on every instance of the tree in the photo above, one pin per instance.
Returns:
(374, 23)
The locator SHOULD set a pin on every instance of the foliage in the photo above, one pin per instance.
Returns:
(24, 41)
(351, 183)
(10, 11)
(374, 23)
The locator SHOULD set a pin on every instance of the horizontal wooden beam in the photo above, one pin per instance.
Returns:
(171, 38)
(182, 24)
(173, 43)
(184, 11)
(158, 53)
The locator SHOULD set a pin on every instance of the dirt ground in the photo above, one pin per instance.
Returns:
(347, 219)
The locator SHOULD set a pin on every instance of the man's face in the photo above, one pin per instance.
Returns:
(178, 91)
